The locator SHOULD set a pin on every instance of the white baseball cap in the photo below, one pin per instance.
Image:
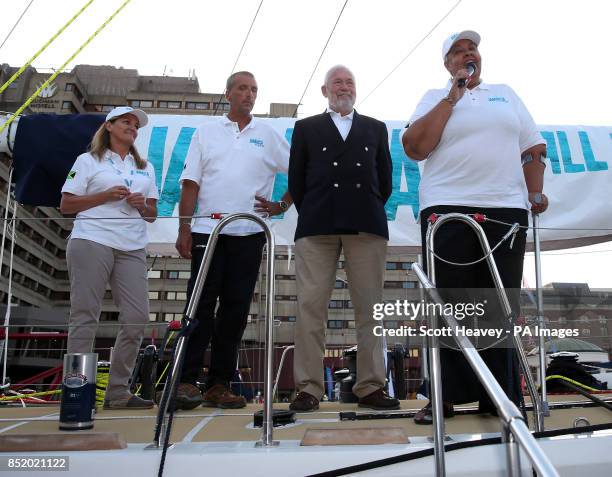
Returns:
(143, 119)
(455, 37)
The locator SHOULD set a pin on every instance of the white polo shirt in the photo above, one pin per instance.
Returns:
(91, 176)
(232, 167)
(478, 159)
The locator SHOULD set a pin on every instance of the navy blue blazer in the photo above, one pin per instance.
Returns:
(340, 187)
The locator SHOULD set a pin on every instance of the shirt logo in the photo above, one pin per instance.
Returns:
(257, 142)
(71, 175)
(142, 173)
(499, 99)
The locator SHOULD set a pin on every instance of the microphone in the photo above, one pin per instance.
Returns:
(471, 69)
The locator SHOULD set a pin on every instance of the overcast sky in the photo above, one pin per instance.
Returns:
(555, 54)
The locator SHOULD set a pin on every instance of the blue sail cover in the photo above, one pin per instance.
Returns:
(46, 146)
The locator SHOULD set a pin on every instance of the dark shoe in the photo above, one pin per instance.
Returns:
(425, 417)
(129, 402)
(304, 402)
(222, 397)
(380, 401)
(188, 396)
(487, 408)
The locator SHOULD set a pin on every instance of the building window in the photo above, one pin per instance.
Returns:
(340, 264)
(336, 304)
(153, 295)
(173, 274)
(390, 284)
(184, 275)
(285, 297)
(154, 274)
(221, 106)
(340, 284)
(409, 284)
(107, 108)
(406, 265)
(69, 87)
(172, 316)
(176, 296)
(141, 103)
(169, 104)
(152, 316)
(194, 105)
(335, 324)
(350, 324)
(391, 265)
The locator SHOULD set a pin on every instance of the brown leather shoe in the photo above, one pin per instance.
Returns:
(425, 415)
(130, 401)
(379, 400)
(304, 402)
(188, 396)
(222, 397)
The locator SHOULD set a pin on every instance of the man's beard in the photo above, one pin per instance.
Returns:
(344, 103)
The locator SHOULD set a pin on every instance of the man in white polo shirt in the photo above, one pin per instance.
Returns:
(230, 167)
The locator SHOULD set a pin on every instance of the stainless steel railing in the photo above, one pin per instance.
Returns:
(514, 430)
(268, 428)
(540, 312)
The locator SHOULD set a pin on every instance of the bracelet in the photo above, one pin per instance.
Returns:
(186, 222)
(449, 100)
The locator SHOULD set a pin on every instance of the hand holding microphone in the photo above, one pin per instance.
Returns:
(471, 69)
(459, 82)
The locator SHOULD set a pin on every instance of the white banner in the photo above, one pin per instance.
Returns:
(578, 182)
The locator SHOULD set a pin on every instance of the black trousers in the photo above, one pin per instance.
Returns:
(457, 242)
(231, 280)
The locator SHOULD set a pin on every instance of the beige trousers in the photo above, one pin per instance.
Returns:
(91, 266)
(316, 259)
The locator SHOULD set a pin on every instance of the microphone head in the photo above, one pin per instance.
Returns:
(471, 68)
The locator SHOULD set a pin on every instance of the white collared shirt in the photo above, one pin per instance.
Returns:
(343, 123)
(478, 159)
(232, 167)
(91, 176)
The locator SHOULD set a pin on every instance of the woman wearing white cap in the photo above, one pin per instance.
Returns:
(483, 154)
(113, 192)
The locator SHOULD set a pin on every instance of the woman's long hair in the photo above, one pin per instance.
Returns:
(101, 143)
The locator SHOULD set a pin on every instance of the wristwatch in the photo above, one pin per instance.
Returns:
(283, 205)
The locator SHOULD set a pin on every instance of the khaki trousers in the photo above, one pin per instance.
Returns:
(316, 259)
(91, 266)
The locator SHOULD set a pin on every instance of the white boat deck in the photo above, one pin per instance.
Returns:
(217, 440)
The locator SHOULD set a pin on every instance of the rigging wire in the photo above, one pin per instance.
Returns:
(410, 52)
(16, 23)
(239, 54)
(43, 48)
(319, 59)
(55, 75)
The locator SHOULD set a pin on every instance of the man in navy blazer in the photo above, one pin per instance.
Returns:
(339, 179)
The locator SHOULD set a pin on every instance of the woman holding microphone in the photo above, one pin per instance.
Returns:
(483, 154)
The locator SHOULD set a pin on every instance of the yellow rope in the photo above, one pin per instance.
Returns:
(21, 396)
(54, 75)
(576, 383)
(44, 47)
